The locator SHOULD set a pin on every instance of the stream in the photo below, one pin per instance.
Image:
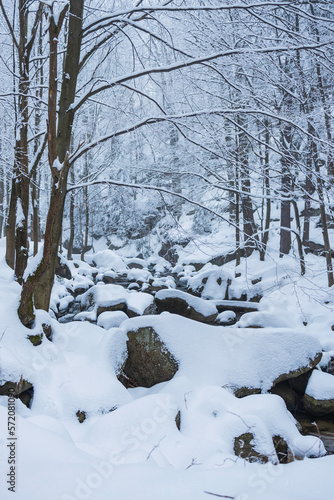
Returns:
(322, 427)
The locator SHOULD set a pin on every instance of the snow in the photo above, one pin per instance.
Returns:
(320, 385)
(202, 306)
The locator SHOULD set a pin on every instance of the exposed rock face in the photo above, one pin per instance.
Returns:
(184, 304)
(149, 362)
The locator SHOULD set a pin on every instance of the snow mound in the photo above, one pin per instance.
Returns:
(320, 385)
(111, 319)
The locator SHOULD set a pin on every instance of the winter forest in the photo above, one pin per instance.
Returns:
(166, 262)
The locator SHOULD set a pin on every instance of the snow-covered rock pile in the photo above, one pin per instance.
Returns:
(163, 398)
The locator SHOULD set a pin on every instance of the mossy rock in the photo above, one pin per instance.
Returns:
(36, 339)
(242, 392)
(244, 448)
(318, 407)
(149, 362)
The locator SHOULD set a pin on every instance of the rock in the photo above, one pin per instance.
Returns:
(149, 362)
(109, 277)
(317, 407)
(116, 306)
(289, 396)
(62, 269)
(244, 360)
(242, 392)
(184, 304)
(319, 395)
(16, 388)
(81, 416)
(136, 263)
(243, 448)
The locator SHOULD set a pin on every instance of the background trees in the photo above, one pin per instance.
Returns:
(226, 105)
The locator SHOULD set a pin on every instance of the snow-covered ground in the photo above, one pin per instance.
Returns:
(129, 445)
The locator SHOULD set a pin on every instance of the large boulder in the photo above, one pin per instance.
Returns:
(149, 362)
(178, 302)
(246, 361)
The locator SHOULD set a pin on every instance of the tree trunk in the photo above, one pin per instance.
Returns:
(265, 236)
(71, 239)
(249, 226)
(37, 288)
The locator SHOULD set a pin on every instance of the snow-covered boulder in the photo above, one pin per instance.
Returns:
(107, 259)
(319, 395)
(101, 298)
(111, 319)
(211, 282)
(244, 360)
(136, 263)
(262, 319)
(178, 302)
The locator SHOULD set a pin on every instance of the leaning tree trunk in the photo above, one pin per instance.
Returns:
(36, 290)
